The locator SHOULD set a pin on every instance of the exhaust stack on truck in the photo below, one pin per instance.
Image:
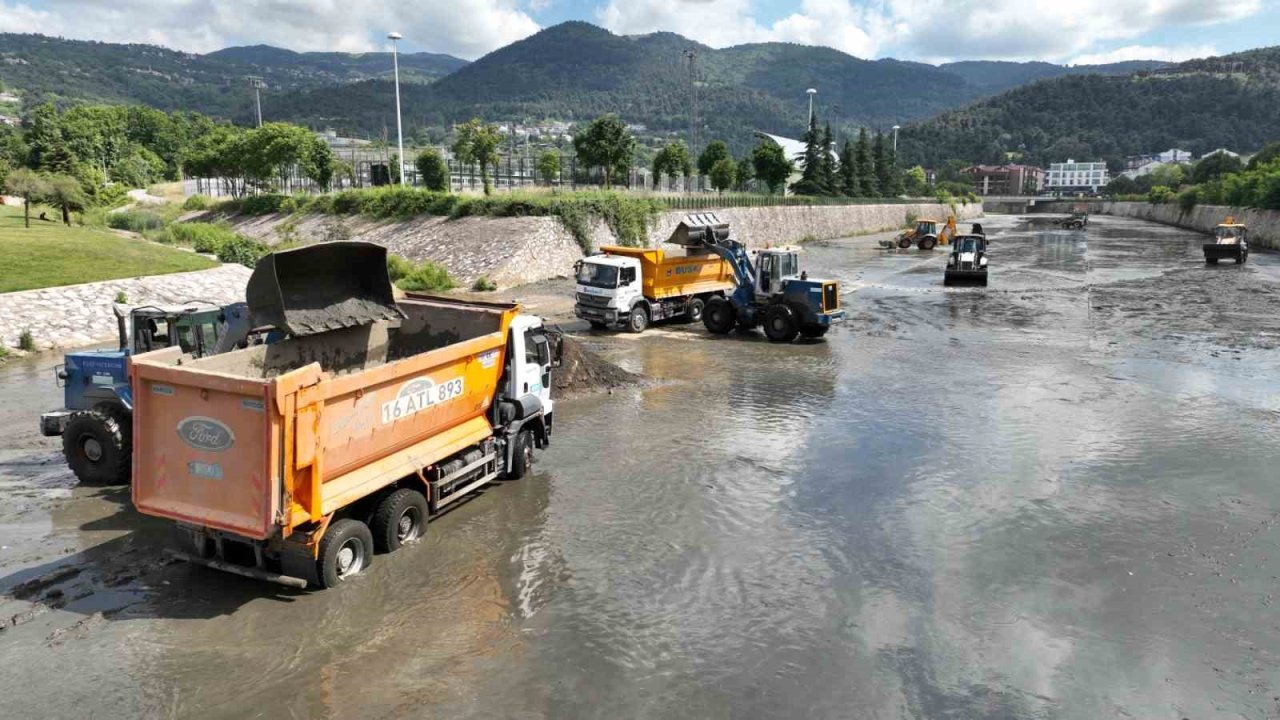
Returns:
(296, 461)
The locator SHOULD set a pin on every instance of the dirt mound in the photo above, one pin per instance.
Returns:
(583, 371)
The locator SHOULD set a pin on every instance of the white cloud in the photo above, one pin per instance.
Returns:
(930, 30)
(1146, 52)
(467, 28)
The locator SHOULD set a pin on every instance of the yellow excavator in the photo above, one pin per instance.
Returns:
(925, 235)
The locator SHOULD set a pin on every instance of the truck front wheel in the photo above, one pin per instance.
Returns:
(521, 456)
(97, 448)
(719, 316)
(638, 320)
(345, 550)
(400, 519)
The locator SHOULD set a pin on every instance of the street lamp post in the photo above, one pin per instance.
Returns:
(395, 61)
(811, 92)
(257, 84)
(896, 128)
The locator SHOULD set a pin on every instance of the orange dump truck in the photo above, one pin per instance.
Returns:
(295, 461)
(632, 287)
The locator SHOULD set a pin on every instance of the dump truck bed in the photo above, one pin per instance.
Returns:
(678, 274)
(259, 441)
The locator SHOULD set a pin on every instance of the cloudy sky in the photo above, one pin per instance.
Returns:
(1078, 31)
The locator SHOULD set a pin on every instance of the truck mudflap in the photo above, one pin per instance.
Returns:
(322, 287)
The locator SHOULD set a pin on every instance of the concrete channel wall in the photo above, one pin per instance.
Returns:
(1264, 225)
(77, 315)
(518, 250)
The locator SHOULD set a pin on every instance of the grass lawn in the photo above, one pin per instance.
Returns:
(51, 253)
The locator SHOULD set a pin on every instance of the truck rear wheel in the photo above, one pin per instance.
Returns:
(780, 323)
(401, 518)
(97, 448)
(638, 320)
(345, 550)
(719, 316)
(697, 306)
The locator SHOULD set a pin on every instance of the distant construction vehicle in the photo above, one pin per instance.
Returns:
(968, 262)
(772, 293)
(1231, 241)
(633, 287)
(926, 234)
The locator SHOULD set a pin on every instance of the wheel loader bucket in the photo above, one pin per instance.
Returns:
(959, 278)
(322, 287)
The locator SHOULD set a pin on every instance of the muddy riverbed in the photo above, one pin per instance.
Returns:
(1052, 498)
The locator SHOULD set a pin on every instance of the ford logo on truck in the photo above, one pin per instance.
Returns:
(203, 433)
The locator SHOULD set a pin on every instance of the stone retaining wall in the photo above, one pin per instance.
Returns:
(1264, 225)
(77, 315)
(518, 250)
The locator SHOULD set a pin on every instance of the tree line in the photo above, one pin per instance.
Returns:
(1216, 179)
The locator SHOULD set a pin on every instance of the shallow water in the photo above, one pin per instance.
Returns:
(1051, 498)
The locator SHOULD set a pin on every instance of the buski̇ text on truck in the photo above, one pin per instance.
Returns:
(632, 287)
(295, 461)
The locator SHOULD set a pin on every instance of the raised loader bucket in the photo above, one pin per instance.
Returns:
(322, 287)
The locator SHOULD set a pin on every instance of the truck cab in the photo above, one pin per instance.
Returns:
(608, 288)
(95, 420)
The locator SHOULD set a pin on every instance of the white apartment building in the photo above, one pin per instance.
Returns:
(1076, 177)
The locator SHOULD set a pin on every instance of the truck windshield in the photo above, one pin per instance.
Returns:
(602, 276)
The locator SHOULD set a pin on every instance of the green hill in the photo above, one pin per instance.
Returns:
(1201, 105)
(214, 84)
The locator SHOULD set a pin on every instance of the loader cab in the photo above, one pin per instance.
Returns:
(773, 267)
(926, 227)
(195, 329)
(1231, 234)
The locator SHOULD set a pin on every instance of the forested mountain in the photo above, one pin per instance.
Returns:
(1201, 105)
(214, 84)
(576, 70)
(996, 76)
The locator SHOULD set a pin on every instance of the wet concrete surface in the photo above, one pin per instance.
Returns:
(1052, 498)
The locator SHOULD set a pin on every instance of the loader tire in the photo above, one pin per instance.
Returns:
(401, 518)
(719, 316)
(98, 448)
(928, 243)
(780, 323)
(904, 242)
(345, 550)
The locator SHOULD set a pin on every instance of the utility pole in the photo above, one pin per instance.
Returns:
(811, 92)
(692, 57)
(395, 61)
(257, 84)
(896, 128)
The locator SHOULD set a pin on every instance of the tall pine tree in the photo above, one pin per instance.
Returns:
(849, 171)
(868, 185)
(884, 173)
(830, 181)
(810, 182)
(896, 186)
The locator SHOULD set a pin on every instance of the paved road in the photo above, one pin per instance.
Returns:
(1051, 498)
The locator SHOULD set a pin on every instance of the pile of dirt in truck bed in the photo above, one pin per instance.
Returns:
(582, 371)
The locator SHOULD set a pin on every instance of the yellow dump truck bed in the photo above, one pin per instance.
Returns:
(678, 274)
(259, 441)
